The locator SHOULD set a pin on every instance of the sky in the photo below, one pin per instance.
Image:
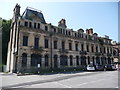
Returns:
(101, 16)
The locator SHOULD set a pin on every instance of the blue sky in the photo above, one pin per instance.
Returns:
(101, 16)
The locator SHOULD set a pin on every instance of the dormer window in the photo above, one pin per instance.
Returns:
(55, 30)
(26, 24)
(46, 28)
(69, 32)
(75, 34)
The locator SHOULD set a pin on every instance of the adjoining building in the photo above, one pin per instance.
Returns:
(116, 52)
(34, 42)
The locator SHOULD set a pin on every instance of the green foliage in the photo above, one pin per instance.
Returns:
(6, 26)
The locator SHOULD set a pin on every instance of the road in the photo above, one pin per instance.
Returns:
(101, 79)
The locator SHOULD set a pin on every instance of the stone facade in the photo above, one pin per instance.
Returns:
(33, 42)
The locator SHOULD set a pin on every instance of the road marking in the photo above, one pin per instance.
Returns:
(63, 85)
(89, 82)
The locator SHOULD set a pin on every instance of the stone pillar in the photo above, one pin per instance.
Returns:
(98, 48)
(80, 61)
(95, 60)
(85, 48)
(28, 61)
(58, 61)
(86, 60)
(90, 49)
(19, 63)
(74, 61)
(68, 62)
(43, 62)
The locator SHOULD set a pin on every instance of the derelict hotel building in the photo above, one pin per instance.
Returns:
(33, 42)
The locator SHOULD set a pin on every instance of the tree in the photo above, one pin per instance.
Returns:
(6, 26)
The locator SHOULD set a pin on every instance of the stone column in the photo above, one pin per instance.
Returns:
(19, 63)
(68, 62)
(85, 49)
(86, 60)
(90, 49)
(74, 61)
(28, 61)
(95, 60)
(80, 61)
(43, 62)
(58, 61)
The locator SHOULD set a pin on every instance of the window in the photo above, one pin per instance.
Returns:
(55, 44)
(63, 45)
(46, 60)
(76, 46)
(34, 25)
(55, 30)
(82, 47)
(46, 43)
(104, 50)
(70, 46)
(77, 60)
(46, 28)
(107, 50)
(69, 32)
(75, 34)
(63, 31)
(38, 26)
(35, 60)
(26, 24)
(30, 24)
(25, 40)
(36, 42)
(88, 60)
(100, 49)
(96, 48)
(87, 48)
(92, 48)
(24, 60)
(71, 60)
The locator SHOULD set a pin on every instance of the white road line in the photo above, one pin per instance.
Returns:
(63, 85)
(89, 82)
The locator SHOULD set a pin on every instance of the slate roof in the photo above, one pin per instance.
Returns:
(33, 14)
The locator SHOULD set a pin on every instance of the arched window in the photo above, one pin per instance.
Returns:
(35, 60)
(24, 60)
(93, 60)
(77, 60)
(98, 60)
(83, 60)
(63, 60)
(71, 60)
(55, 61)
(46, 60)
(88, 60)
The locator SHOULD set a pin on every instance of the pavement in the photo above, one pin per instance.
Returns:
(105, 79)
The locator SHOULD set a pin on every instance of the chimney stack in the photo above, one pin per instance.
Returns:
(62, 23)
(90, 31)
(87, 31)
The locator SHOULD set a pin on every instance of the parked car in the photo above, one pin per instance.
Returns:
(110, 67)
(99, 67)
(90, 68)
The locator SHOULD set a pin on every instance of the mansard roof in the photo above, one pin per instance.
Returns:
(33, 14)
